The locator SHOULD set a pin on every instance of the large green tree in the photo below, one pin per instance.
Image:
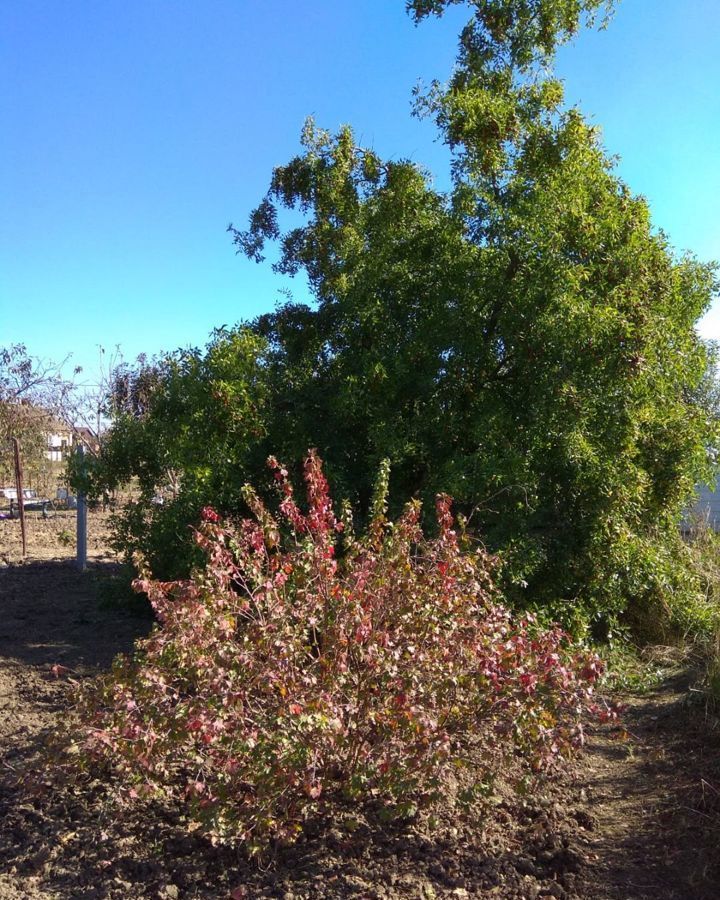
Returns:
(525, 341)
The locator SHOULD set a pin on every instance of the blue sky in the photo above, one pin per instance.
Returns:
(134, 131)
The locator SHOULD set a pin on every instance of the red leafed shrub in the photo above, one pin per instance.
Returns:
(284, 673)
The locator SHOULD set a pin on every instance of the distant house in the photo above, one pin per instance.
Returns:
(706, 509)
(60, 440)
(61, 437)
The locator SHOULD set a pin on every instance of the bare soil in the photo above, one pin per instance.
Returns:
(636, 817)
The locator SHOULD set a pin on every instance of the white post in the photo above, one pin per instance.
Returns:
(81, 523)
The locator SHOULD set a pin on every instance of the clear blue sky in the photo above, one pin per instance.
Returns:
(134, 131)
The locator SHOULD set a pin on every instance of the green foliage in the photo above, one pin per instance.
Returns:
(703, 546)
(115, 591)
(516, 33)
(33, 394)
(66, 538)
(703, 630)
(183, 429)
(279, 677)
(628, 670)
(526, 342)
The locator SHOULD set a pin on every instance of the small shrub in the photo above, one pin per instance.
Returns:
(703, 634)
(703, 547)
(66, 538)
(302, 663)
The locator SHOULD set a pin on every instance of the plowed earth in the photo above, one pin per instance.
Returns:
(636, 816)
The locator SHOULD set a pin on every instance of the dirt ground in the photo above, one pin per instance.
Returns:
(636, 816)
(54, 537)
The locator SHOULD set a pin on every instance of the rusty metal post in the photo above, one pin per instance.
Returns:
(20, 494)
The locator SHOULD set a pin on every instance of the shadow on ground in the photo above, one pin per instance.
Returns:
(50, 613)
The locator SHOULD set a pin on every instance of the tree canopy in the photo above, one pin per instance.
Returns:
(34, 394)
(524, 341)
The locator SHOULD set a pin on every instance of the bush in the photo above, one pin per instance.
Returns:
(185, 430)
(302, 663)
(702, 629)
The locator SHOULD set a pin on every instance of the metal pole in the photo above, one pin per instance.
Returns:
(19, 488)
(81, 522)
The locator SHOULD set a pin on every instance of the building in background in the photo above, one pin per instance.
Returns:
(60, 439)
(705, 510)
